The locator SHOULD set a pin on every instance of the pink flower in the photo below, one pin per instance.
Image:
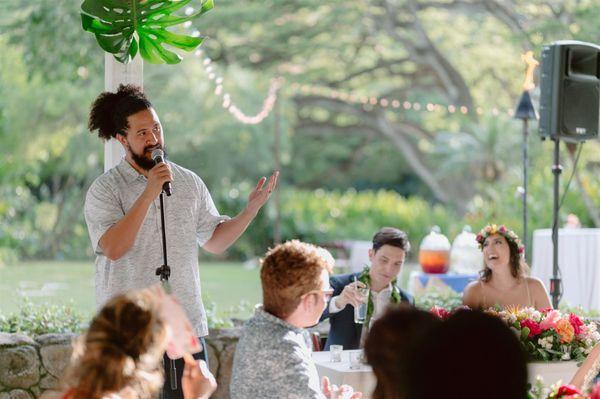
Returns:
(595, 392)
(566, 391)
(576, 323)
(534, 328)
(440, 312)
(549, 322)
(502, 229)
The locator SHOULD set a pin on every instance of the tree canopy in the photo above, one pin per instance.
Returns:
(354, 72)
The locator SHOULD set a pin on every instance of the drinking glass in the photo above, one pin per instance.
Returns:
(336, 353)
(360, 311)
(356, 359)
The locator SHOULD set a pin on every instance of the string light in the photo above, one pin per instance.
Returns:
(228, 104)
(353, 98)
(368, 102)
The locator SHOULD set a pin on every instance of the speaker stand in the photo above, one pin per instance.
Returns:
(555, 281)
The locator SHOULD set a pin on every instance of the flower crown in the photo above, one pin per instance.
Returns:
(492, 229)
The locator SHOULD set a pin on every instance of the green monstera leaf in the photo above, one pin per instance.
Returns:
(114, 23)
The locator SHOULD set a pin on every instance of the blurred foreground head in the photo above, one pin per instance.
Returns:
(470, 355)
(122, 348)
(388, 346)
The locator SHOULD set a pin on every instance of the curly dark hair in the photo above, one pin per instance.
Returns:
(110, 111)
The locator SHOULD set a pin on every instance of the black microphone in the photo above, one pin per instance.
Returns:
(158, 156)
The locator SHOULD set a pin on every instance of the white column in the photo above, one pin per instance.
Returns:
(116, 73)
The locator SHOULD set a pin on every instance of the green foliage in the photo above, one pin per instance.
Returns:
(324, 216)
(579, 311)
(42, 319)
(484, 149)
(47, 157)
(50, 72)
(225, 318)
(48, 33)
(114, 25)
(446, 299)
(321, 216)
(538, 390)
(45, 319)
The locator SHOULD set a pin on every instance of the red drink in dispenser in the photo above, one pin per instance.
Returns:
(434, 262)
(434, 252)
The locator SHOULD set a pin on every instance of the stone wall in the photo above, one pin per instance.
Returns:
(221, 345)
(31, 366)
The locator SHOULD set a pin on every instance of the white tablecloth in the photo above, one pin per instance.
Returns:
(363, 380)
(339, 373)
(579, 262)
(419, 282)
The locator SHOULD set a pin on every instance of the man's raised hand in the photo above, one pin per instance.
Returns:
(261, 193)
(350, 295)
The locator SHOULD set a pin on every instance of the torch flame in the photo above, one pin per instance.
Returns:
(532, 63)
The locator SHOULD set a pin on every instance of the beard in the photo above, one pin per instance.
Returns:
(144, 160)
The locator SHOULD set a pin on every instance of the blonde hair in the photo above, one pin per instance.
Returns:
(122, 348)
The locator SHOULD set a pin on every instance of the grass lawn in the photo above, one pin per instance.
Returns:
(226, 284)
(55, 282)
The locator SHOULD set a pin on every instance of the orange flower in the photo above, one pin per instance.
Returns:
(565, 330)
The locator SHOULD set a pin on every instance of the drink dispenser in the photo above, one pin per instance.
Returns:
(465, 256)
(434, 252)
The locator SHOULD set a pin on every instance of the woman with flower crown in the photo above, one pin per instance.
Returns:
(503, 281)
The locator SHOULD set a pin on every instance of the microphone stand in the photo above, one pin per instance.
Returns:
(164, 272)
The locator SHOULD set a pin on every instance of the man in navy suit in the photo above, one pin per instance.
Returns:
(390, 247)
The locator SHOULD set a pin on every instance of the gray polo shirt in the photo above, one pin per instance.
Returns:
(190, 218)
(272, 361)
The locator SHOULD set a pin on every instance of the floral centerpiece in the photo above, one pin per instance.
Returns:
(547, 335)
(558, 391)
(550, 335)
(553, 338)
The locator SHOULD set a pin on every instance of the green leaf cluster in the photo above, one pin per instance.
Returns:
(446, 299)
(43, 319)
(115, 22)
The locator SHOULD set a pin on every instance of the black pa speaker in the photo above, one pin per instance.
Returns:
(570, 91)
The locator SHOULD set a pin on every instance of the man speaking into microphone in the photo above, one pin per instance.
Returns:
(158, 156)
(123, 216)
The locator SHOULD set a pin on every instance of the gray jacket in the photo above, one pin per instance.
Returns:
(272, 361)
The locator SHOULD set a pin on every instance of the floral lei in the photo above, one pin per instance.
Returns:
(492, 229)
(365, 278)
